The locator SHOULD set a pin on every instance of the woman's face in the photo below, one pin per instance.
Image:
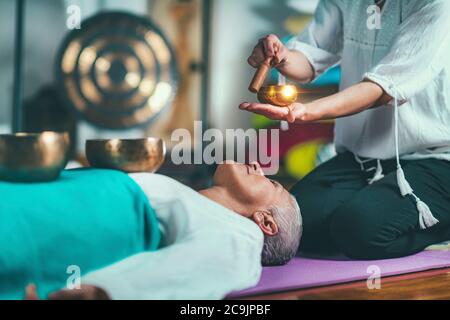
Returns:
(248, 185)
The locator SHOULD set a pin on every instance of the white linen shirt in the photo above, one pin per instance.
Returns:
(409, 57)
(207, 250)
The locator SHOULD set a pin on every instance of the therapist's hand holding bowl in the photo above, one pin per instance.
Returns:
(297, 112)
(295, 65)
(271, 47)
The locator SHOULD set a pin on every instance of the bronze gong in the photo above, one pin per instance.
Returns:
(117, 71)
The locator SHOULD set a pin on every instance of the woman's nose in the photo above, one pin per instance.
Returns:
(257, 167)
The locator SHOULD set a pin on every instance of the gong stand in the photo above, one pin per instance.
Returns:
(203, 173)
(17, 104)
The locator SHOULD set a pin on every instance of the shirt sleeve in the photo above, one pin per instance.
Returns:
(321, 42)
(418, 52)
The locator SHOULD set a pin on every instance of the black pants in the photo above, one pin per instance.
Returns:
(341, 212)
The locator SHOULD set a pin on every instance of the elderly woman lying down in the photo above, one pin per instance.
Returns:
(212, 242)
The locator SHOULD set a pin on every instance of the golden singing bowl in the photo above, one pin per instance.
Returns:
(128, 155)
(33, 157)
(278, 95)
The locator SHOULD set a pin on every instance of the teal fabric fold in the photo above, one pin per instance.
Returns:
(85, 220)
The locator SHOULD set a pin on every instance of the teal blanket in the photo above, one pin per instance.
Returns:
(87, 219)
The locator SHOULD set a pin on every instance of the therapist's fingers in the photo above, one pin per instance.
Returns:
(273, 47)
(267, 110)
(280, 55)
(268, 47)
(291, 117)
(31, 292)
(257, 56)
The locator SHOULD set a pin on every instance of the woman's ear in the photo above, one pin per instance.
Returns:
(265, 222)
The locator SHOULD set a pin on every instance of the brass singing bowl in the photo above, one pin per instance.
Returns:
(33, 157)
(128, 155)
(278, 95)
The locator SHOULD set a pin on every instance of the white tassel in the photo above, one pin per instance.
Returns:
(403, 184)
(426, 218)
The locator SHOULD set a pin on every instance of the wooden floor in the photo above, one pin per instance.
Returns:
(428, 285)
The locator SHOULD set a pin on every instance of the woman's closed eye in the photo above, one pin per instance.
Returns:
(275, 183)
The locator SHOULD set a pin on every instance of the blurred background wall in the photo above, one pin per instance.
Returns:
(45, 28)
(235, 25)
(44, 31)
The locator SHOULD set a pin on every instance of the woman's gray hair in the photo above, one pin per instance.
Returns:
(283, 246)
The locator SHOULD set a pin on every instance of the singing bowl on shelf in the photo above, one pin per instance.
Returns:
(33, 157)
(128, 155)
(278, 95)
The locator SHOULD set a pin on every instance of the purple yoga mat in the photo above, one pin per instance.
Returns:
(304, 272)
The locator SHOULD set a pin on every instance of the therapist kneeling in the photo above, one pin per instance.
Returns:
(387, 192)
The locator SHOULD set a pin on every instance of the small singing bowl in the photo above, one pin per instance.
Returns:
(33, 157)
(278, 95)
(128, 155)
